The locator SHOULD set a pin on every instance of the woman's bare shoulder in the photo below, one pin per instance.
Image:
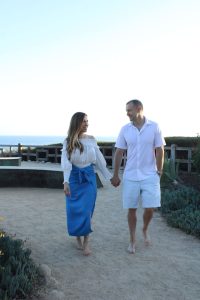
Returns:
(91, 137)
(86, 136)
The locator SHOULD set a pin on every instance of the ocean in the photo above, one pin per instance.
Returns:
(41, 140)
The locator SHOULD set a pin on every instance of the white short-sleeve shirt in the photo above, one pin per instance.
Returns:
(140, 146)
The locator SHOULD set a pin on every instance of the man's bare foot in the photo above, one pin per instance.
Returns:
(79, 243)
(131, 248)
(147, 240)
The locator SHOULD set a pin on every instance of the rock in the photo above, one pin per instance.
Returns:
(55, 295)
(46, 271)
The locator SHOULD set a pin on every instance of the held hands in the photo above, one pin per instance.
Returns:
(66, 189)
(115, 181)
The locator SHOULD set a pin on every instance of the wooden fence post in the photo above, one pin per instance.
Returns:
(19, 149)
(173, 153)
(189, 160)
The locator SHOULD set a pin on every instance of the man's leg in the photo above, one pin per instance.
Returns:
(147, 216)
(150, 198)
(132, 220)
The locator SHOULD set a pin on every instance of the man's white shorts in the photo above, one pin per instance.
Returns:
(148, 190)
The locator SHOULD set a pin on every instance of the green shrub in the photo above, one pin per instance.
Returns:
(179, 198)
(187, 219)
(170, 172)
(18, 273)
(181, 206)
(172, 201)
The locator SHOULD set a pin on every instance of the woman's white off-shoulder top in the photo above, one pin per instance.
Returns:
(90, 155)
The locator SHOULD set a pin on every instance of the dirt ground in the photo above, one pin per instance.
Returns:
(169, 269)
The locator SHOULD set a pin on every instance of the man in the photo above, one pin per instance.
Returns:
(144, 143)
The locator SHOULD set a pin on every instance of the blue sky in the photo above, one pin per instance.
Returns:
(58, 57)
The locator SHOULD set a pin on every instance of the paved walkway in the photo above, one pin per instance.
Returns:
(168, 269)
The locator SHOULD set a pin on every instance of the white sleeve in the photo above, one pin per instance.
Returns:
(121, 142)
(66, 165)
(101, 163)
(159, 139)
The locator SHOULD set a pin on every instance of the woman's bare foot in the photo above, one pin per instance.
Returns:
(86, 249)
(79, 243)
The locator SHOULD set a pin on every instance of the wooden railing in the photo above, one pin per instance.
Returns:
(182, 156)
(52, 153)
(33, 152)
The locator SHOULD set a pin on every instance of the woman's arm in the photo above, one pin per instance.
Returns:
(66, 167)
(101, 163)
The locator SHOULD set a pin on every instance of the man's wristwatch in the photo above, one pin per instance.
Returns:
(159, 173)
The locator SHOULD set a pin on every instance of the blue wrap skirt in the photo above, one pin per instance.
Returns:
(81, 202)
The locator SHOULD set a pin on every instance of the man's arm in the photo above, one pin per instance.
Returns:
(160, 159)
(115, 180)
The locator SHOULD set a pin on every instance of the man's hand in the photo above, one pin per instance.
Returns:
(66, 189)
(115, 181)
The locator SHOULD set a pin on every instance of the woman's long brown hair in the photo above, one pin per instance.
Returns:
(73, 133)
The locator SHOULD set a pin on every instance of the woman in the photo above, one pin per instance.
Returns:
(79, 155)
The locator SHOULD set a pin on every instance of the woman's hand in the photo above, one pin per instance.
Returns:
(66, 189)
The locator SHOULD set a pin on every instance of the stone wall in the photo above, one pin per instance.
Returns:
(34, 178)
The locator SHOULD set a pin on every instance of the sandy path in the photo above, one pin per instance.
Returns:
(169, 269)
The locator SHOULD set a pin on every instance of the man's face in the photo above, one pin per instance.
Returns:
(132, 111)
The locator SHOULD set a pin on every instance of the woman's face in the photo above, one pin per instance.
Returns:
(84, 125)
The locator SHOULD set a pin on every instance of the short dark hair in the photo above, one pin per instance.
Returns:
(135, 102)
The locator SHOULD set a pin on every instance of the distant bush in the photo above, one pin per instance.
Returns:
(182, 141)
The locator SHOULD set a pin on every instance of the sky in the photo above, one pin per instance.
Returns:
(58, 57)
